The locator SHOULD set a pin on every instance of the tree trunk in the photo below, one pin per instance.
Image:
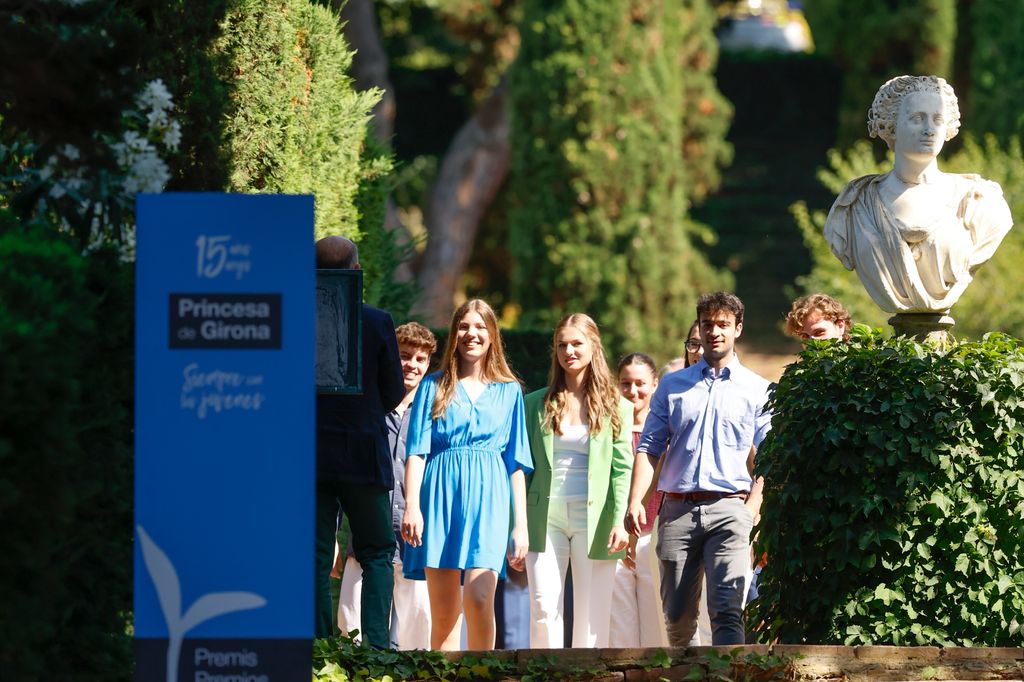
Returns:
(472, 172)
(370, 70)
(370, 63)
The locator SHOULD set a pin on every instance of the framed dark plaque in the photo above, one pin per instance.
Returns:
(339, 331)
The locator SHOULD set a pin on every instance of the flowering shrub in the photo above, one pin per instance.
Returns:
(92, 198)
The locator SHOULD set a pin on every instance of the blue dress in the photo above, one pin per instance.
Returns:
(465, 497)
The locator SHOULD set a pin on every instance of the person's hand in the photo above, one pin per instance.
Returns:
(518, 546)
(636, 517)
(339, 564)
(618, 539)
(412, 527)
(630, 560)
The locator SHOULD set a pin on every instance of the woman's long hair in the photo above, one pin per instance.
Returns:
(496, 367)
(600, 391)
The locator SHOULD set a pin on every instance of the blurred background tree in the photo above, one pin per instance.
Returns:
(610, 101)
(873, 40)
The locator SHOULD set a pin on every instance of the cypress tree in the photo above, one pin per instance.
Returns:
(616, 124)
(294, 123)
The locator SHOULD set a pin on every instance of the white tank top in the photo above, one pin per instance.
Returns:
(569, 459)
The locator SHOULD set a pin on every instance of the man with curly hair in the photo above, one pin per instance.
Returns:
(818, 317)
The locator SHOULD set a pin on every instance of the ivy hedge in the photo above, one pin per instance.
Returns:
(894, 505)
(339, 659)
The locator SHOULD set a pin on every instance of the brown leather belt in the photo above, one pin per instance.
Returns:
(704, 496)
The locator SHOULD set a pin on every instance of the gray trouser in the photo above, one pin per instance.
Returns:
(694, 537)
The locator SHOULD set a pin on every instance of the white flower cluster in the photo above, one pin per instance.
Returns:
(144, 170)
(156, 101)
(88, 199)
(63, 180)
(137, 154)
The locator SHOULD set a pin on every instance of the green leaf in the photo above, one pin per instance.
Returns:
(661, 659)
(1005, 583)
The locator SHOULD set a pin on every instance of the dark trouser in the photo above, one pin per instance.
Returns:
(694, 538)
(373, 540)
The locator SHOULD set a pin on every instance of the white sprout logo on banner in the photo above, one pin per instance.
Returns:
(168, 590)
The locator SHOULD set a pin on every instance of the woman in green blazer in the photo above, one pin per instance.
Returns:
(576, 496)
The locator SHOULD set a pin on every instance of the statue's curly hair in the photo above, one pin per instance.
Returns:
(886, 106)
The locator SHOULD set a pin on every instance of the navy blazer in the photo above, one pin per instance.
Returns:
(351, 431)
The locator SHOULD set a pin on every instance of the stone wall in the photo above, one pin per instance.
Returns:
(849, 664)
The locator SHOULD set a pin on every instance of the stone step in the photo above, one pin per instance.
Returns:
(809, 662)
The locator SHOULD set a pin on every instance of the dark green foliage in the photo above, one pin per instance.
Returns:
(996, 96)
(294, 123)
(894, 504)
(599, 175)
(875, 40)
(529, 354)
(65, 459)
(66, 71)
(102, 555)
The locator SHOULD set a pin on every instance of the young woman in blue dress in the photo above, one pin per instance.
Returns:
(467, 457)
(576, 497)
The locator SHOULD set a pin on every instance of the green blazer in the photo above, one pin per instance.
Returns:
(610, 468)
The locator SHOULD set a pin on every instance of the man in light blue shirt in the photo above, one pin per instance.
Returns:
(711, 417)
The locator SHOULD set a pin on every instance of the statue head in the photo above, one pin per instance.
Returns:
(885, 109)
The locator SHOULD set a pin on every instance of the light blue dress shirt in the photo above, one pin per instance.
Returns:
(708, 424)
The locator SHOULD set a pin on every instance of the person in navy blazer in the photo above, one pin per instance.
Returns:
(353, 465)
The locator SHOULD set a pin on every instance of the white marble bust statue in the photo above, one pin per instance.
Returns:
(915, 235)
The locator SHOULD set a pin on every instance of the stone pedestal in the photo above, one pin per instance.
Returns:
(931, 328)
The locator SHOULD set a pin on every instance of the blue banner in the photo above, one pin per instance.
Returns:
(224, 437)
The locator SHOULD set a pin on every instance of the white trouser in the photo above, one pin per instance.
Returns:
(592, 582)
(410, 608)
(637, 620)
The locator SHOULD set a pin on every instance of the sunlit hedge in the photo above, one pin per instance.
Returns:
(894, 504)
